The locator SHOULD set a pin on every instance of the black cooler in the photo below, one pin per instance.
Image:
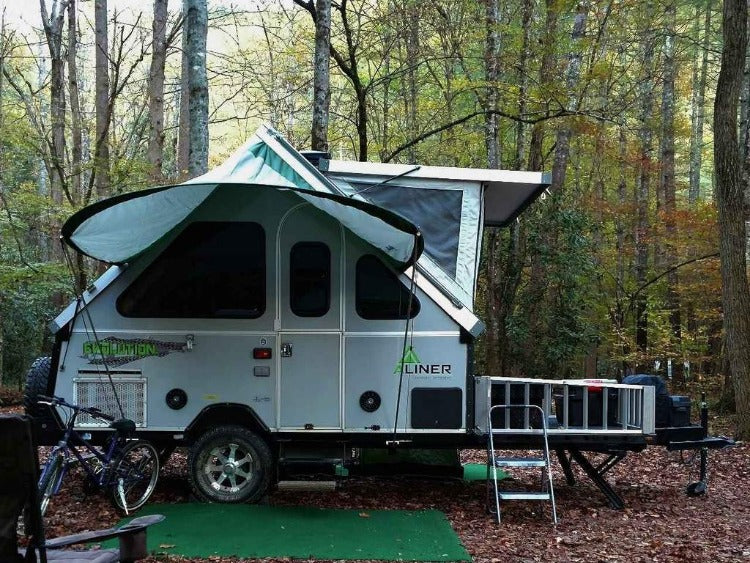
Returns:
(671, 411)
(595, 406)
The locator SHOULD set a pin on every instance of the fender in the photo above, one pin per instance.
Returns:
(225, 413)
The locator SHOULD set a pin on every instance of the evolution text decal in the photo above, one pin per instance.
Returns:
(118, 351)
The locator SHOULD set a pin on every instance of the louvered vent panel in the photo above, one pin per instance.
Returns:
(100, 393)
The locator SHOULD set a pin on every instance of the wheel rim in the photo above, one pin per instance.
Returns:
(139, 472)
(230, 468)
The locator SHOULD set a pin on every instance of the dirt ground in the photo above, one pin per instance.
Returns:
(660, 522)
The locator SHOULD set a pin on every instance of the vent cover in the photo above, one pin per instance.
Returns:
(97, 392)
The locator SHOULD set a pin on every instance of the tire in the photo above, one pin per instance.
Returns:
(230, 464)
(37, 383)
(51, 475)
(137, 469)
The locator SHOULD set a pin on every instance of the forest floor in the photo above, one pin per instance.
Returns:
(660, 522)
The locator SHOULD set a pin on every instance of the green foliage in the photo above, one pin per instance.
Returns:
(423, 66)
(28, 298)
(553, 320)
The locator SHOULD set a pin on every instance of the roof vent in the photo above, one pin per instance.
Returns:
(319, 159)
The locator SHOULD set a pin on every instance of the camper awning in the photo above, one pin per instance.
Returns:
(119, 228)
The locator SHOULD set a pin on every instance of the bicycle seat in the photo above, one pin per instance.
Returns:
(123, 426)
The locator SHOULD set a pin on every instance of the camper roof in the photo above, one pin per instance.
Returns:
(506, 192)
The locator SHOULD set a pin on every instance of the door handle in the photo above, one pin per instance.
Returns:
(286, 350)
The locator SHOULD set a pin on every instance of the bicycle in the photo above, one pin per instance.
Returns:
(126, 468)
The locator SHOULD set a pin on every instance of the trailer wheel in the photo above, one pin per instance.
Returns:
(230, 464)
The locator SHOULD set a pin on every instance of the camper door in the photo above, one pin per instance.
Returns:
(309, 320)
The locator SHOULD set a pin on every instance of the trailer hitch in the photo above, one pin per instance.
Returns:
(700, 487)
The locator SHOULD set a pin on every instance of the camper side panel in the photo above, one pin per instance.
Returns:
(167, 369)
(431, 374)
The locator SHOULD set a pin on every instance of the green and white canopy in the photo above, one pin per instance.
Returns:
(117, 229)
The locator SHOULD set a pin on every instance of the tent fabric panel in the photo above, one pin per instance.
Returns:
(459, 281)
(468, 248)
(254, 163)
(268, 160)
(400, 243)
(437, 213)
(119, 228)
(446, 283)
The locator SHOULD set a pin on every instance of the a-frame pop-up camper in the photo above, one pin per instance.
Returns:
(282, 303)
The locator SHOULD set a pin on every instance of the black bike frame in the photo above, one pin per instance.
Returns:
(67, 446)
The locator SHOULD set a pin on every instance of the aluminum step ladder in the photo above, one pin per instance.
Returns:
(546, 492)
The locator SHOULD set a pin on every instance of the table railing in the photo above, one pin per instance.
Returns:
(570, 406)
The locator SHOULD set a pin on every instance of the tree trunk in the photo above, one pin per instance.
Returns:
(361, 121)
(350, 67)
(523, 82)
(76, 187)
(43, 169)
(492, 74)
(735, 291)
(101, 63)
(2, 168)
(667, 181)
(546, 71)
(622, 185)
(412, 52)
(321, 78)
(348, 64)
(53, 25)
(156, 91)
(572, 75)
(183, 137)
(494, 259)
(385, 106)
(744, 138)
(642, 195)
(698, 111)
(196, 28)
(491, 313)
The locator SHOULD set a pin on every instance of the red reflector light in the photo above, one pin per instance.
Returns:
(261, 353)
(595, 388)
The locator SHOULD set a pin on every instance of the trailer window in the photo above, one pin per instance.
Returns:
(310, 279)
(379, 293)
(211, 270)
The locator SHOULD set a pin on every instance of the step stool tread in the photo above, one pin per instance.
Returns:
(523, 495)
(520, 462)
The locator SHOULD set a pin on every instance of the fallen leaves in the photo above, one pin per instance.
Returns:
(659, 523)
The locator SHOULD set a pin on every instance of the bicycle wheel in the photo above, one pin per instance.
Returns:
(134, 476)
(50, 480)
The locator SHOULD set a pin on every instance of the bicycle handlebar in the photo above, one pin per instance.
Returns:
(93, 411)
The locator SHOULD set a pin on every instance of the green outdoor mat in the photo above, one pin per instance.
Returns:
(478, 472)
(243, 530)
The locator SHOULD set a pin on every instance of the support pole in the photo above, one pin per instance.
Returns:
(562, 457)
